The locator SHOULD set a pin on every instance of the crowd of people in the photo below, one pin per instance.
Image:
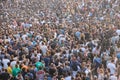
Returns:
(59, 40)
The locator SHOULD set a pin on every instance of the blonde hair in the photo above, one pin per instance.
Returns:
(62, 79)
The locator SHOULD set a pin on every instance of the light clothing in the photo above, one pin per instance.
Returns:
(74, 73)
(44, 49)
(5, 62)
(55, 35)
(113, 77)
(13, 63)
(101, 77)
(38, 56)
(68, 78)
(87, 71)
(24, 37)
(40, 75)
(112, 68)
(118, 32)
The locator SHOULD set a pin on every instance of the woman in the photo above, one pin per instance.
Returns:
(107, 74)
(100, 73)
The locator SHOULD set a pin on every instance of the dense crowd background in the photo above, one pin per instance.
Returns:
(59, 40)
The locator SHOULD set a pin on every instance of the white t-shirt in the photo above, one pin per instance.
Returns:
(113, 40)
(62, 39)
(55, 35)
(75, 50)
(38, 36)
(44, 49)
(13, 63)
(38, 56)
(83, 49)
(112, 68)
(87, 71)
(113, 77)
(118, 32)
(5, 61)
(61, 35)
(95, 50)
(68, 78)
(24, 37)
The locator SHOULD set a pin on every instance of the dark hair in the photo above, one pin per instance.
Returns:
(16, 66)
(5, 57)
(8, 63)
(40, 68)
(112, 60)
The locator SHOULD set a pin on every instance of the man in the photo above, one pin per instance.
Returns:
(77, 35)
(40, 74)
(112, 67)
(43, 48)
(5, 61)
(16, 70)
(118, 31)
(9, 69)
(4, 75)
(74, 66)
(68, 77)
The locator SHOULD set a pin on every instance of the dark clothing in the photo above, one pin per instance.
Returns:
(4, 76)
(52, 71)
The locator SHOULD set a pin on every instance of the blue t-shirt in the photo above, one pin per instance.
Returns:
(118, 55)
(77, 34)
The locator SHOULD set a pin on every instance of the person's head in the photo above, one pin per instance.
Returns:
(5, 70)
(42, 43)
(112, 61)
(16, 66)
(8, 63)
(26, 77)
(40, 68)
(5, 57)
(19, 75)
(101, 71)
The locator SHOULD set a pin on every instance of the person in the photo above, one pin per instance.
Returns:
(68, 77)
(9, 69)
(19, 77)
(74, 66)
(16, 70)
(78, 35)
(43, 48)
(113, 77)
(5, 61)
(112, 67)
(118, 32)
(101, 74)
(4, 75)
(40, 74)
